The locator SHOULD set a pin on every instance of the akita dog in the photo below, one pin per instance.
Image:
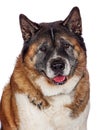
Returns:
(49, 87)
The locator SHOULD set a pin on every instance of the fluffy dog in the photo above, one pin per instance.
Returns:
(49, 87)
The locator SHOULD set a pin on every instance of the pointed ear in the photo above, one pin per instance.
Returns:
(28, 28)
(73, 21)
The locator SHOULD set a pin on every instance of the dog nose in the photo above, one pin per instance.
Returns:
(58, 65)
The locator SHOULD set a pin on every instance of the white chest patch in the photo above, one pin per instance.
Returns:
(56, 117)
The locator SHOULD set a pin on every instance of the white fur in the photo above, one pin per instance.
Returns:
(56, 117)
(66, 88)
(49, 71)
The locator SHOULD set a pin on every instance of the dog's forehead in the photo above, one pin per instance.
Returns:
(58, 31)
(52, 31)
(50, 28)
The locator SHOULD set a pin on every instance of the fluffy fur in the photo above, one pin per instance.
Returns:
(49, 87)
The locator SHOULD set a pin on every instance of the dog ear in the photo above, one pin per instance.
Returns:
(73, 21)
(28, 28)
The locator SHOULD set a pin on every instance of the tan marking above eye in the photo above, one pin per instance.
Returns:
(65, 43)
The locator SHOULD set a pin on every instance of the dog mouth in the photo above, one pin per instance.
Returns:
(59, 80)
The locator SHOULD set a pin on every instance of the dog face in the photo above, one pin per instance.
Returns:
(54, 50)
(56, 58)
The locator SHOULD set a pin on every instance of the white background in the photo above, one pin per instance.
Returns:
(92, 12)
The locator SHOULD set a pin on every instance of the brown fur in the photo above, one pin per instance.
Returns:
(19, 83)
(81, 96)
(24, 77)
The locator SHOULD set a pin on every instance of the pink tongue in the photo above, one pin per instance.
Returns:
(59, 79)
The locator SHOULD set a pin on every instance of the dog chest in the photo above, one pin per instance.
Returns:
(56, 117)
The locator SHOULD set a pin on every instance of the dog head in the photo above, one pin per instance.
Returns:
(55, 50)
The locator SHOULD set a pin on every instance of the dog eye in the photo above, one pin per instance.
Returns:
(43, 48)
(66, 45)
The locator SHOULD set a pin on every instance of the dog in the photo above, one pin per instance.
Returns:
(49, 87)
